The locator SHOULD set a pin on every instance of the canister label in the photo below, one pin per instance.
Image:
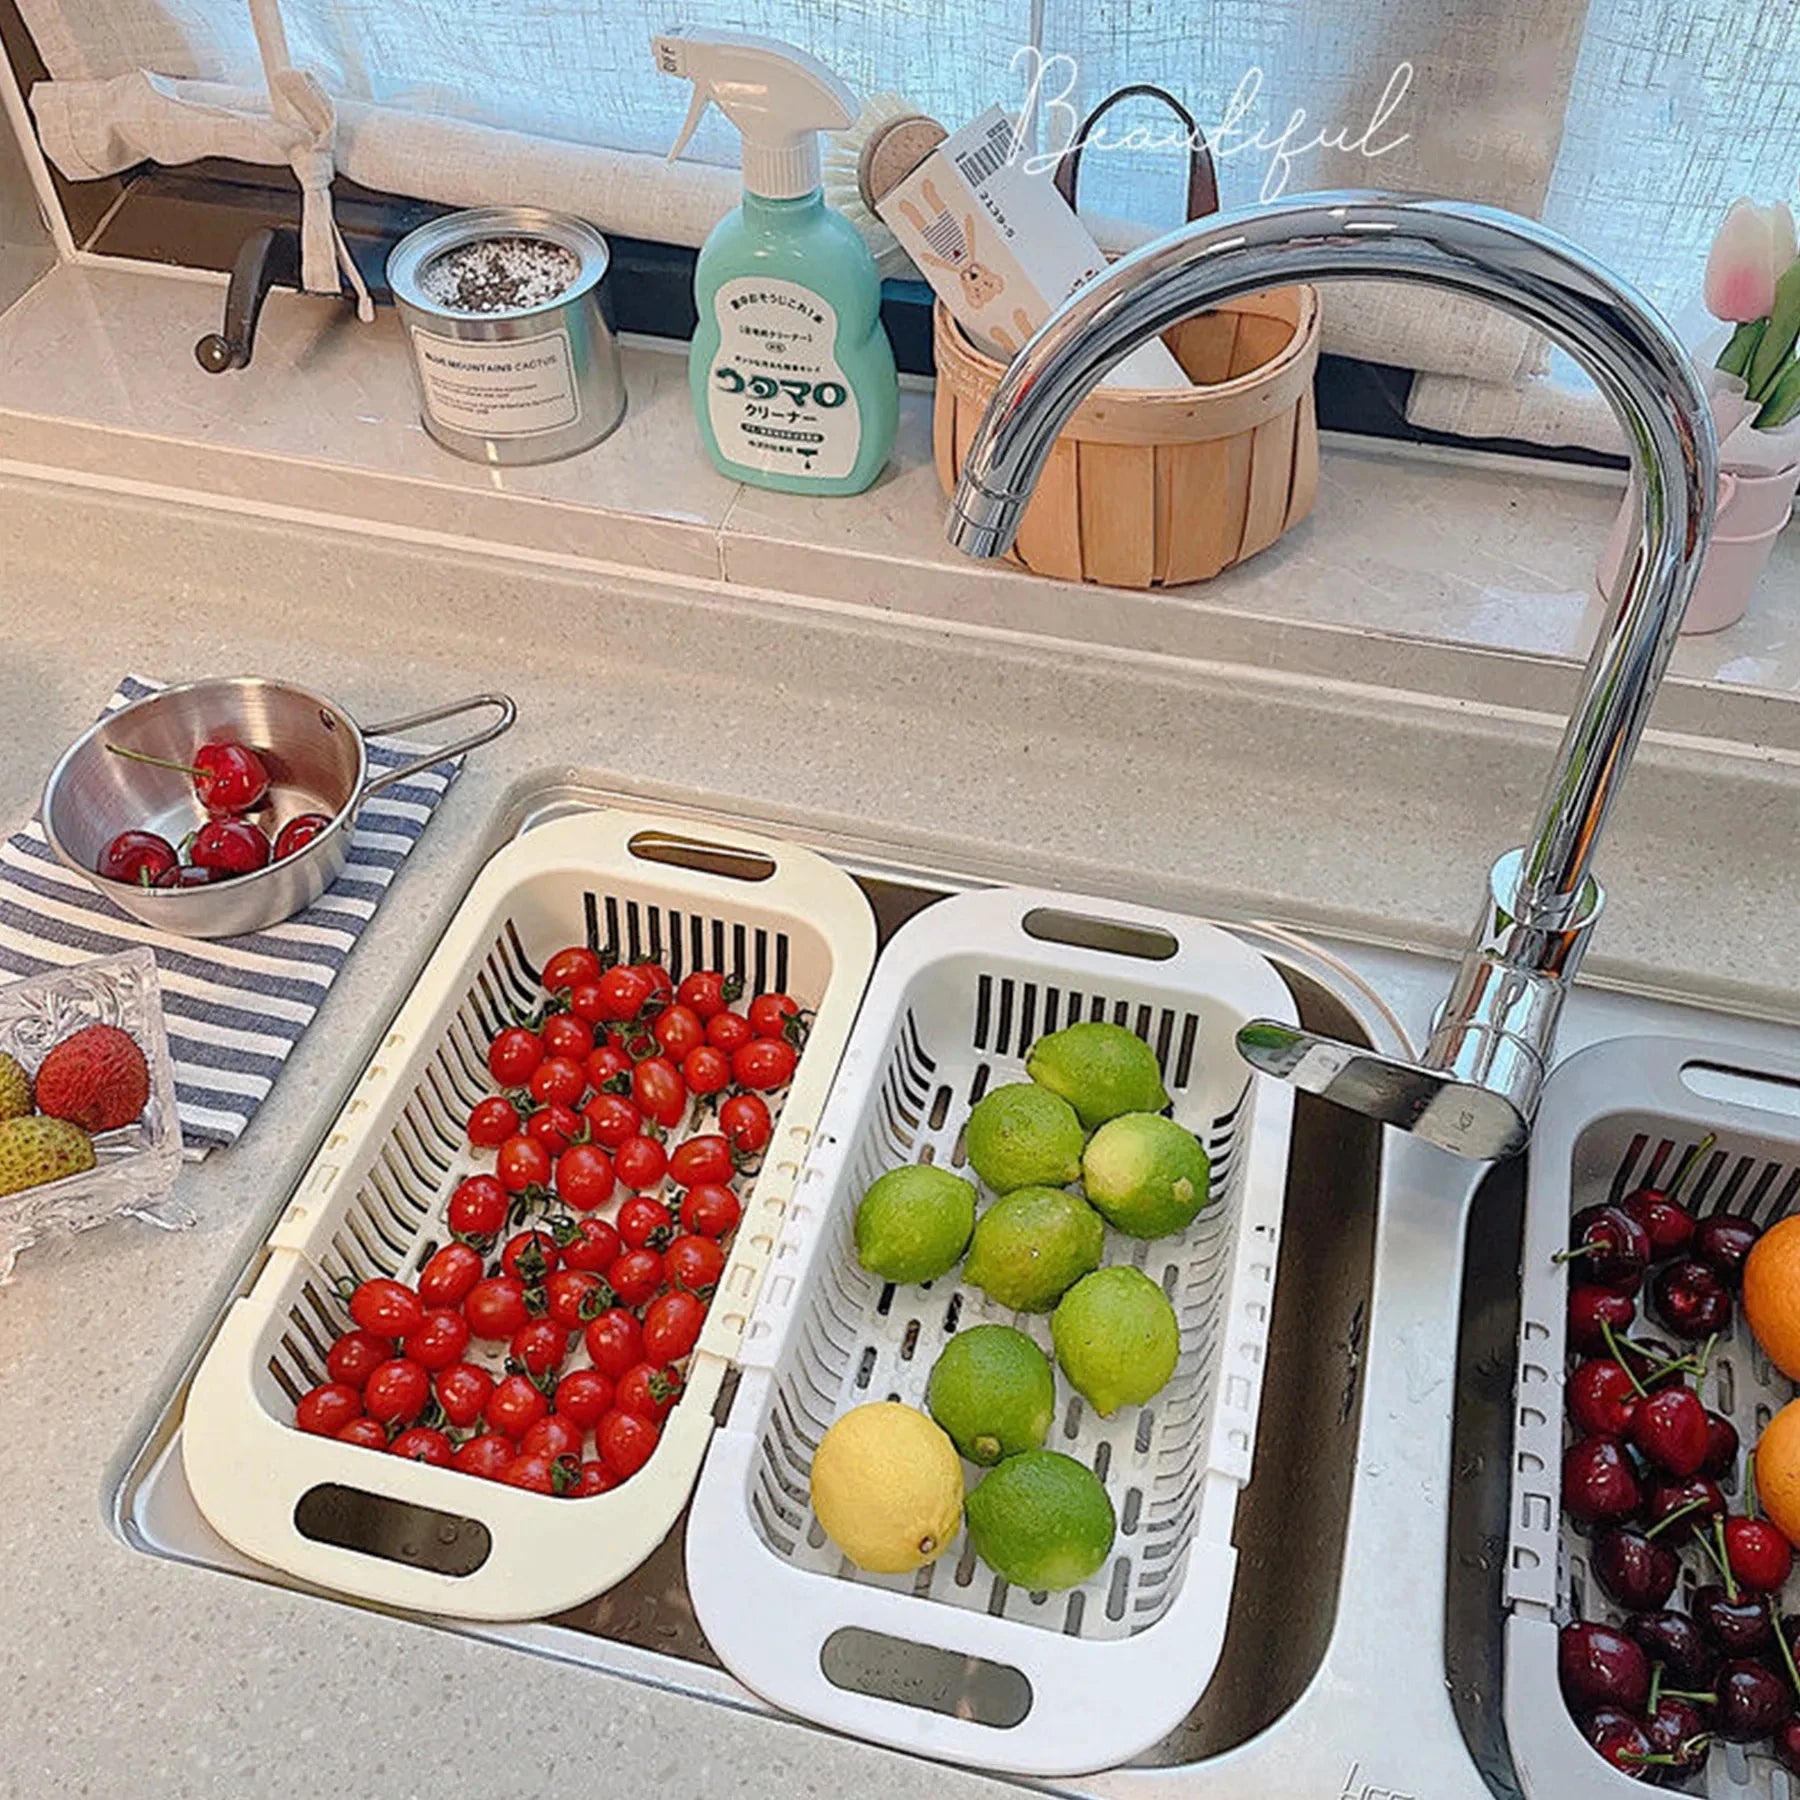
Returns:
(776, 398)
(518, 387)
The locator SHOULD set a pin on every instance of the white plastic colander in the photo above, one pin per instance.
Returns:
(951, 1661)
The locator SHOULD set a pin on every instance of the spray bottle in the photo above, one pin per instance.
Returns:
(791, 371)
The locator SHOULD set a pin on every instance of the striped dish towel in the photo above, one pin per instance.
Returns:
(235, 1007)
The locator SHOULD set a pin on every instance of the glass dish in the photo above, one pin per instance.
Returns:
(136, 1166)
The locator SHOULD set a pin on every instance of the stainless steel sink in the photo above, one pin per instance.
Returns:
(1362, 1655)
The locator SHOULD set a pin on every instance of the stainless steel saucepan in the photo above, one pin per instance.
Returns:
(318, 762)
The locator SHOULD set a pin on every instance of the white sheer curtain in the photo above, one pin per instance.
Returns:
(1627, 123)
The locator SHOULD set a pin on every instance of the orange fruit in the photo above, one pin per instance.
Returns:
(1778, 1471)
(1772, 1294)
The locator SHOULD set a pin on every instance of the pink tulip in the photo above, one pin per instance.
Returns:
(1753, 249)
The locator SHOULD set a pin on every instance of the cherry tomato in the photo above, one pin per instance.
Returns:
(594, 1248)
(492, 1122)
(355, 1356)
(645, 1224)
(568, 1292)
(463, 1391)
(648, 1389)
(659, 1091)
(702, 1160)
(326, 1409)
(488, 1456)
(514, 1406)
(728, 1031)
(679, 1030)
(542, 1474)
(522, 1163)
(565, 1035)
(662, 983)
(607, 1062)
(440, 1340)
(478, 1207)
(636, 1276)
(446, 1279)
(496, 1307)
(366, 1434)
(390, 1309)
(635, 1041)
(569, 968)
(396, 1392)
(584, 1397)
(587, 1001)
(708, 992)
(513, 1055)
(764, 1064)
(771, 1014)
(696, 1263)
(612, 1119)
(559, 1078)
(554, 1126)
(530, 1255)
(710, 1210)
(706, 1070)
(552, 1436)
(420, 1443)
(615, 1341)
(540, 1345)
(640, 1163)
(671, 1329)
(623, 992)
(626, 1442)
(745, 1121)
(595, 1478)
(584, 1177)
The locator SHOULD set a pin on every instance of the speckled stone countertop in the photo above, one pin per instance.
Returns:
(1243, 789)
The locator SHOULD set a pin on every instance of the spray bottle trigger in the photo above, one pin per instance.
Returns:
(696, 111)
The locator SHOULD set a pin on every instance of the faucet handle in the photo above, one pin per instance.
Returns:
(1454, 1114)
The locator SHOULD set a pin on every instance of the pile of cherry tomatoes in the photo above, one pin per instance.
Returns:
(577, 1274)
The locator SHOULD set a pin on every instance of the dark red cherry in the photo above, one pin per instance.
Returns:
(1623, 1742)
(1759, 1555)
(1723, 1241)
(1639, 1572)
(1667, 1223)
(138, 857)
(1740, 1627)
(1687, 1655)
(230, 847)
(297, 833)
(1599, 1484)
(1609, 1246)
(1678, 1729)
(1590, 1308)
(1721, 1447)
(1602, 1398)
(1598, 1666)
(1787, 1745)
(1669, 1428)
(1750, 1702)
(1691, 1299)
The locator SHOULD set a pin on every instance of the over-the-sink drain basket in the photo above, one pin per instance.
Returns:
(1613, 1118)
(371, 1204)
(950, 1661)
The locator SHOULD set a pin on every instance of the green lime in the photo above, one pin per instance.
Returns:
(1116, 1338)
(993, 1391)
(1042, 1520)
(887, 1487)
(1029, 1246)
(1022, 1135)
(1101, 1070)
(1145, 1174)
(914, 1223)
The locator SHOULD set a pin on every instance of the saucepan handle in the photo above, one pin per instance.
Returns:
(505, 712)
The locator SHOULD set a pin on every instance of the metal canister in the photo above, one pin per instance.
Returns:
(510, 383)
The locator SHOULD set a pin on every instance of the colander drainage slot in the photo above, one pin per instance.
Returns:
(697, 853)
(395, 1530)
(889, 1668)
(1051, 925)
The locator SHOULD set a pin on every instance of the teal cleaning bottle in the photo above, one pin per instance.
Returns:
(791, 370)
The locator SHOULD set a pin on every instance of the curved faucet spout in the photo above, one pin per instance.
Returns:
(1476, 1088)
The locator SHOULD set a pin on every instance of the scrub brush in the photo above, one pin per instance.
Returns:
(843, 186)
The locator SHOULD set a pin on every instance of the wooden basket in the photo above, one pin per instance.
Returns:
(1155, 487)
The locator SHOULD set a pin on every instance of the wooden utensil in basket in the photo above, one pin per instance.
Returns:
(1155, 487)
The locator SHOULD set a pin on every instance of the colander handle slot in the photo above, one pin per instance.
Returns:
(503, 704)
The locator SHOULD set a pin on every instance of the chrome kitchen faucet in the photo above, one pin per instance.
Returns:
(1475, 1090)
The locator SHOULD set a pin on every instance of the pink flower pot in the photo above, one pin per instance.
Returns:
(1751, 513)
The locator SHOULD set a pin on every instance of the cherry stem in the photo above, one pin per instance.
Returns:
(1701, 1362)
(1688, 1161)
(1656, 1675)
(1575, 1250)
(1619, 1356)
(1668, 1519)
(1697, 1699)
(1787, 1650)
(1750, 1494)
(158, 762)
(1717, 1551)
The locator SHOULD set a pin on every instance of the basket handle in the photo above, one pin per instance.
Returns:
(1202, 181)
